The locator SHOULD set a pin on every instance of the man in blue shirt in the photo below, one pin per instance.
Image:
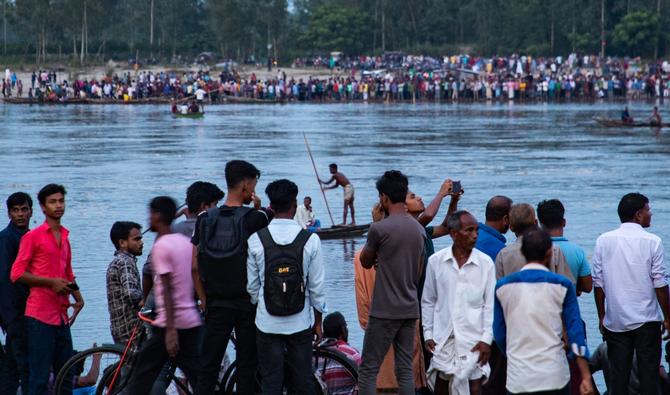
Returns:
(551, 214)
(490, 239)
(532, 309)
(14, 368)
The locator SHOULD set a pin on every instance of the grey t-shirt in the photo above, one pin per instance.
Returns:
(399, 243)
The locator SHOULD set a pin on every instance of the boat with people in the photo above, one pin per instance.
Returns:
(192, 115)
(611, 123)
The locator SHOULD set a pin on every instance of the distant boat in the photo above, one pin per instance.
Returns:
(612, 123)
(194, 115)
(342, 231)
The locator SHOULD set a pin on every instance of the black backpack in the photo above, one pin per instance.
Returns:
(284, 288)
(222, 252)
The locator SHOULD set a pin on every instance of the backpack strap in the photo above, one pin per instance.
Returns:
(297, 245)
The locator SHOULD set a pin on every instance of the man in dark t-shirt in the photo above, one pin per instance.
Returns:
(395, 248)
(222, 315)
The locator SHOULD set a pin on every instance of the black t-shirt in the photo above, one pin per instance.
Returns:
(255, 221)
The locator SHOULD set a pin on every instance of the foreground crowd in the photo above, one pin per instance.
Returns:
(477, 317)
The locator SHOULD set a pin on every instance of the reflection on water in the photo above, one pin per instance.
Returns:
(113, 159)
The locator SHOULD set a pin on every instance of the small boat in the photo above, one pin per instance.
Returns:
(612, 123)
(342, 231)
(194, 115)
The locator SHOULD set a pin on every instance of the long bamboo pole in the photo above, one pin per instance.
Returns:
(316, 173)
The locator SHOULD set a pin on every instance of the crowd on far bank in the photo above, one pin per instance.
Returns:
(479, 317)
(397, 78)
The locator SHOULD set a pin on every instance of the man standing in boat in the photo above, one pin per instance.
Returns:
(340, 179)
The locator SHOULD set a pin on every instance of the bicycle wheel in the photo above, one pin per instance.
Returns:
(336, 371)
(89, 368)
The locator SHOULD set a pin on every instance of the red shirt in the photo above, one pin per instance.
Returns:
(40, 255)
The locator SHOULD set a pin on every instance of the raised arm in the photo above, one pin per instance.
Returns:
(431, 211)
(442, 229)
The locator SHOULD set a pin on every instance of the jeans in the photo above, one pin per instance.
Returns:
(49, 347)
(379, 336)
(15, 365)
(220, 321)
(645, 341)
(153, 355)
(296, 350)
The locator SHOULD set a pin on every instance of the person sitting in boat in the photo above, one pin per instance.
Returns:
(655, 118)
(193, 108)
(305, 217)
(174, 108)
(625, 116)
(183, 109)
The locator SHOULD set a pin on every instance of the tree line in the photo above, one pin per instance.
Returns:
(86, 31)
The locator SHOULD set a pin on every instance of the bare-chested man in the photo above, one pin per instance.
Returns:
(341, 180)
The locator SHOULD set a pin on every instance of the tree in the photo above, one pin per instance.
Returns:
(638, 33)
(334, 28)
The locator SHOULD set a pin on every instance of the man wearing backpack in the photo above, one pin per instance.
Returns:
(220, 278)
(286, 279)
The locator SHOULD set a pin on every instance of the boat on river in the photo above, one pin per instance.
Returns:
(342, 231)
(612, 123)
(193, 115)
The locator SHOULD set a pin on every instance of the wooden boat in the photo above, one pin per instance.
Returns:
(193, 115)
(612, 123)
(342, 232)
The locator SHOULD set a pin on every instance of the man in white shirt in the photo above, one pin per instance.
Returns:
(305, 217)
(629, 271)
(457, 311)
(289, 307)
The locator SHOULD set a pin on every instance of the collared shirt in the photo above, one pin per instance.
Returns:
(336, 377)
(510, 260)
(575, 256)
(458, 301)
(531, 307)
(40, 255)
(489, 241)
(124, 293)
(303, 216)
(12, 296)
(628, 266)
(283, 232)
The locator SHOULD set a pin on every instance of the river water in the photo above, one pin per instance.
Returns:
(114, 159)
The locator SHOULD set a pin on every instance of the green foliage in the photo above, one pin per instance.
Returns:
(334, 28)
(638, 33)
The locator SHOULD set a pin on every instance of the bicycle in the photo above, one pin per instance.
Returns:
(334, 373)
(116, 364)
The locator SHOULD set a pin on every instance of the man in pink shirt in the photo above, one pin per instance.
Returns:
(175, 333)
(44, 264)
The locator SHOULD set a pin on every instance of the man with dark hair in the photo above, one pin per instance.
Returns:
(531, 309)
(629, 272)
(457, 311)
(286, 280)
(334, 375)
(124, 286)
(510, 259)
(44, 263)
(176, 327)
(200, 197)
(395, 246)
(221, 284)
(490, 239)
(551, 214)
(14, 366)
(340, 180)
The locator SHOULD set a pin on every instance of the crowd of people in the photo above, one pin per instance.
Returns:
(479, 317)
(389, 78)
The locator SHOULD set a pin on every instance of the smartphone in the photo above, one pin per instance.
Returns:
(456, 188)
(73, 286)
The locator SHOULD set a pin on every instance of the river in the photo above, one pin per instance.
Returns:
(114, 159)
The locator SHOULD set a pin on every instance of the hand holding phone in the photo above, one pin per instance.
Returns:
(456, 188)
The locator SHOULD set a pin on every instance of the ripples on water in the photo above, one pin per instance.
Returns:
(113, 159)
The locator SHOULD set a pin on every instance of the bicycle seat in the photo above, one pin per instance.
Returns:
(147, 315)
